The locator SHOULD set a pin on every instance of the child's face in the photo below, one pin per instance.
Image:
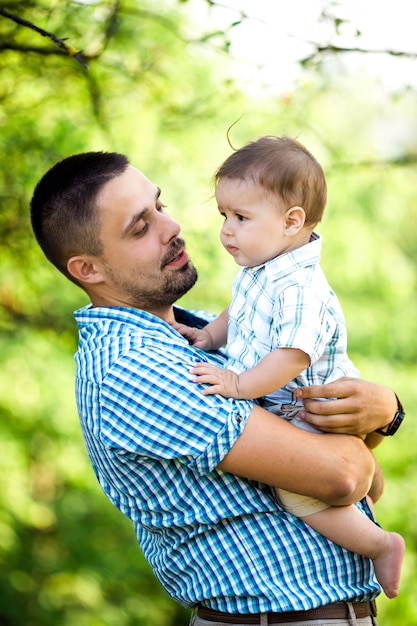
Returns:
(254, 228)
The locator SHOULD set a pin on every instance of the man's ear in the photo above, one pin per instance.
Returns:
(295, 218)
(84, 269)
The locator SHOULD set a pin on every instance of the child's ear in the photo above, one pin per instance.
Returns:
(84, 269)
(295, 218)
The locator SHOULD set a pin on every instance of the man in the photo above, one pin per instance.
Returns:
(192, 472)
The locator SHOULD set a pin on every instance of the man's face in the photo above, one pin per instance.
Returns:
(144, 263)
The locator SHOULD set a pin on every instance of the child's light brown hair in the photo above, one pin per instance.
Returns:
(283, 166)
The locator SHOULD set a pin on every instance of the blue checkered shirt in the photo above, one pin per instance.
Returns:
(155, 441)
(288, 303)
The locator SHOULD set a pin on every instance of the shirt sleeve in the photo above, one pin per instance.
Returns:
(151, 408)
(304, 321)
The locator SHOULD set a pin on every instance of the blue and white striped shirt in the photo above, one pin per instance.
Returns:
(155, 441)
(288, 303)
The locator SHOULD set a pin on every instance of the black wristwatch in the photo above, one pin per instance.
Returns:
(392, 428)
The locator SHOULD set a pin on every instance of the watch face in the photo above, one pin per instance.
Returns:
(396, 422)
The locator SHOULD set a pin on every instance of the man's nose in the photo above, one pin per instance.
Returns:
(169, 228)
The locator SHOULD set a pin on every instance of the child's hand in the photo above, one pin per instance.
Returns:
(222, 381)
(198, 337)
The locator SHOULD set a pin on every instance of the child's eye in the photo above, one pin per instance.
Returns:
(240, 218)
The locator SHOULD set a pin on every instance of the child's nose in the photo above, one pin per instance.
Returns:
(226, 228)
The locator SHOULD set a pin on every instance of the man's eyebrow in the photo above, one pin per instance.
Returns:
(138, 216)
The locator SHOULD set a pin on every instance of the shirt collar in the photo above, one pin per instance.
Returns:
(285, 264)
(89, 315)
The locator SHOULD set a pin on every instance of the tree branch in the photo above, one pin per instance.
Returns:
(60, 42)
(343, 50)
(403, 160)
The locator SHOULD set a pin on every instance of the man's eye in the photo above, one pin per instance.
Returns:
(140, 231)
(160, 207)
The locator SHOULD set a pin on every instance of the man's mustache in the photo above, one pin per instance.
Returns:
(175, 247)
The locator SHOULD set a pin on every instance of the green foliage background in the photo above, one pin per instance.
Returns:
(66, 556)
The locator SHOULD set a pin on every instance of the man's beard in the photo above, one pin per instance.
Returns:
(164, 290)
(173, 286)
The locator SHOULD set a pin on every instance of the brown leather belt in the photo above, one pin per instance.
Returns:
(338, 610)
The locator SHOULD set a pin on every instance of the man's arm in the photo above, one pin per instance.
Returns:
(337, 469)
(360, 406)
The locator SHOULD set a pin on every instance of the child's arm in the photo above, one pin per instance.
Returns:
(211, 337)
(272, 372)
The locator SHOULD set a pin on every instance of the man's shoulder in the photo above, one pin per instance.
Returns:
(126, 338)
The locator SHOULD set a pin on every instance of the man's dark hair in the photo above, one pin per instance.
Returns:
(63, 207)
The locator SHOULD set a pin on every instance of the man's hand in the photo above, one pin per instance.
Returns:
(222, 381)
(357, 406)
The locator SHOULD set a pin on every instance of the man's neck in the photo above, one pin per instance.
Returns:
(166, 313)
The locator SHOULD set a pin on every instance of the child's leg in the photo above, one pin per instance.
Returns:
(349, 528)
